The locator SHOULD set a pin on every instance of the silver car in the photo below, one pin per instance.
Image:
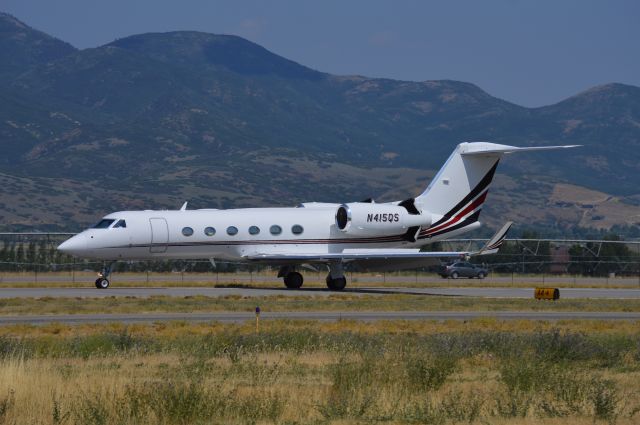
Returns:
(463, 269)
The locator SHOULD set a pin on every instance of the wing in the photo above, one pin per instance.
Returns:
(378, 258)
(363, 259)
(355, 254)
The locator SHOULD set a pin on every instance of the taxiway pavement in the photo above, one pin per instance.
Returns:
(143, 292)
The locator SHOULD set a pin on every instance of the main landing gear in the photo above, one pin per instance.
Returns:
(336, 281)
(102, 282)
(292, 279)
(336, 284)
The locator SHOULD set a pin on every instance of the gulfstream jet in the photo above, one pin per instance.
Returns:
(355, 235)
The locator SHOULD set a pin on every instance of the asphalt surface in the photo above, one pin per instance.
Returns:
(322, 316)
(142, 292)
(236, 317)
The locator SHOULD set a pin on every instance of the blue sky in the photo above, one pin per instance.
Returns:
(533, 53)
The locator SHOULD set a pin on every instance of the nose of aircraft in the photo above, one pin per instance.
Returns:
(74, 245)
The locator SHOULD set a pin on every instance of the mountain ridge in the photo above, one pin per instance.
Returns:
(24, 46)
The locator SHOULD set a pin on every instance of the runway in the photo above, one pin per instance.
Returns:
(238, 317)
(145, 292)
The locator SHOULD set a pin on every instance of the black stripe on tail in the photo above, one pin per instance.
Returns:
(481, 186)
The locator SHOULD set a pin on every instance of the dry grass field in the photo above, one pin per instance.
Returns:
(299, 372)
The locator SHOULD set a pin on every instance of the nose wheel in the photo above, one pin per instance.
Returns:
(102, 282)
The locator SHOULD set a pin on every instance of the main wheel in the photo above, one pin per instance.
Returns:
(454, 275)
(337, 284)
(293, 280)
(102, 283)
(481, 275)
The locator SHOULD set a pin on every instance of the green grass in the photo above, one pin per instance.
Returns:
(337, 302)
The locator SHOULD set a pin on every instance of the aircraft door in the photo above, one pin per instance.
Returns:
(159, 235)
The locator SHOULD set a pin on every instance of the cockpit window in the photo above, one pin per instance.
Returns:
(104, 223)
(120, 223)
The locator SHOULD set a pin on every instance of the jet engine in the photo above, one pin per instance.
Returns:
(369, 219)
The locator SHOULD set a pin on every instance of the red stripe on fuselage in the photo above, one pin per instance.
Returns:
(475, 204)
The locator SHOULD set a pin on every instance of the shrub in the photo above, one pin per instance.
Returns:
(352, 393)
(6, 403)
(604, 397)
(428, 373)
(92, 410)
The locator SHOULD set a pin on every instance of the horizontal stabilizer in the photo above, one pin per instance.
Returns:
(494, 244)
(482, 148)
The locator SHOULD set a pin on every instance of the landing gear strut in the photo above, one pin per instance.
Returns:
(335, 279)
(102, 282)
(292, 279)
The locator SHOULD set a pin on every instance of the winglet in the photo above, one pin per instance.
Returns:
(184, 206)
(494, 244)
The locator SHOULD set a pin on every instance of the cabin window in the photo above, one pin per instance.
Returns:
(209, 231)
(296, 229)
(120, 223)
(187, 231)
(232, 230)
(104, 223)
(275, 229)
(254, 230)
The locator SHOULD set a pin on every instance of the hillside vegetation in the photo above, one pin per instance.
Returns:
(151, 120)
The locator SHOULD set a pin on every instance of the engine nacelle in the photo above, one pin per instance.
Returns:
(369, 219)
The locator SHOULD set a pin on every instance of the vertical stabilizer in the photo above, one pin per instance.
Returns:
(456, 194)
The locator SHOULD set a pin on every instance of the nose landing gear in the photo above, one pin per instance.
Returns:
(102, 282)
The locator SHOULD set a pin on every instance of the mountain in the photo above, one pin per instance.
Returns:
(190, 48)
(22, 47)
(151, 120)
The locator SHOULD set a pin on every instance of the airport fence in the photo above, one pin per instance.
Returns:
(34, 256)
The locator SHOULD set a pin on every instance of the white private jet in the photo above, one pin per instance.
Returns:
(362, 235)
